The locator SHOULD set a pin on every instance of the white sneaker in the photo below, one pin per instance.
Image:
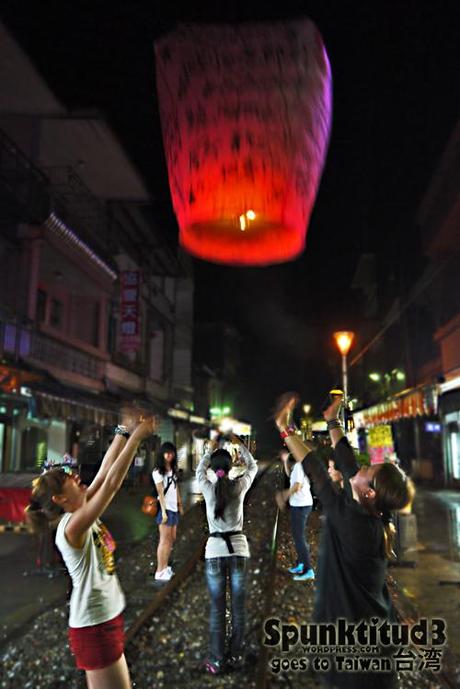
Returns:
(164, 575)
(170, 569)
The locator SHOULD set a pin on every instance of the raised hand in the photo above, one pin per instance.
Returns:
(284, 407)
(333, 409)
(147, 426)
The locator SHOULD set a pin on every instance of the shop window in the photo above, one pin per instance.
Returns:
(33, 448)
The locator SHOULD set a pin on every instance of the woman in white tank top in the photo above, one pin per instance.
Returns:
(97, 601)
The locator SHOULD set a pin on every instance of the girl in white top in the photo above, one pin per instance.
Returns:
(300, 502)
(164, 477)
(96, 629)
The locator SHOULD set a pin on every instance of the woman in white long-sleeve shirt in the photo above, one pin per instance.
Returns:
(227, 550)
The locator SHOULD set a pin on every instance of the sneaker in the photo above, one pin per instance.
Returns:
(298, 569)
(306, 576)
(170, 570)
(164, 575)
(213, 667)
(234, 662)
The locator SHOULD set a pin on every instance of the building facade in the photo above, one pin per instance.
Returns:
(96, 301)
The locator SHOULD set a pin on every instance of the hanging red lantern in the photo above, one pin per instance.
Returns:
(246, 114)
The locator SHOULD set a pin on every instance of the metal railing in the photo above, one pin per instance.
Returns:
(75, 204)
(22, 341)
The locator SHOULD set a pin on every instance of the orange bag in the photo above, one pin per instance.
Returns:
(150, 506)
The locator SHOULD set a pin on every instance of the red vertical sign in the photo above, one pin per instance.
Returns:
(130, 321)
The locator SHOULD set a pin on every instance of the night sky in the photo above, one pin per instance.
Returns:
(395, 68)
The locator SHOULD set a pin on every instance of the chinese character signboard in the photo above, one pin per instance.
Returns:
(130, 321)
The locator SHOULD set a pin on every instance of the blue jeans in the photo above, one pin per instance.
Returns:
(217, 570)
(299, 516)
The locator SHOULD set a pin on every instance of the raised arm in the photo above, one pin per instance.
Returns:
(203, 466)
(114, 449)
(345, 460)
(251, 465)
(128, 416)
(85, 516)
(303, 451)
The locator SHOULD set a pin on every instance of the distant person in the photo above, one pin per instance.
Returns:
(96, 632)
(301, 502)
(227, 551)
(165, 479)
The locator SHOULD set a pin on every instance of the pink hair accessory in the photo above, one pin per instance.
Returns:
(220, 473)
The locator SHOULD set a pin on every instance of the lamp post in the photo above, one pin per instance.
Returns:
(344, 340)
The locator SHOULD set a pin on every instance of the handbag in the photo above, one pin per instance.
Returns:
(150, 503)
(150, 506)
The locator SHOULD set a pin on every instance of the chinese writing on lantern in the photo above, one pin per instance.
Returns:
(130, 334)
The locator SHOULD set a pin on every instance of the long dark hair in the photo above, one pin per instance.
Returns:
(42, 511)
(161, 465)
(221, 461)
(393, 491)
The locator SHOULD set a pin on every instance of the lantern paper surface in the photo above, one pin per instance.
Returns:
(245, 114)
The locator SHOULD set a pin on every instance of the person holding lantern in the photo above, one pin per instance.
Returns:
(357, 534)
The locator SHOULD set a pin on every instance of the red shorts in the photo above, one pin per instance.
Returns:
(99, 645)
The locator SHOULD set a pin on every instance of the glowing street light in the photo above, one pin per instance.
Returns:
(344, 340)
(307, 408)
(375, 377)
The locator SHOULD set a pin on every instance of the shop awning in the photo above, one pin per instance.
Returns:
(408, 404)
(57, 401)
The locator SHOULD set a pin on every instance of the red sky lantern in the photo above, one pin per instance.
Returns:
(246, 114)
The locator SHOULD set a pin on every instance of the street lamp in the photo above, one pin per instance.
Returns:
(375, 377)
(344, 340)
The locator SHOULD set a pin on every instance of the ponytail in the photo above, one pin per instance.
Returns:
(42, 511)
(224, 492)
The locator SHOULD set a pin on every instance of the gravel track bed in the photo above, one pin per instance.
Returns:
(171, 650)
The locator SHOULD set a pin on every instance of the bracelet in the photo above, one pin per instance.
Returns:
(122, 430)
(333, 423)
(290, 430)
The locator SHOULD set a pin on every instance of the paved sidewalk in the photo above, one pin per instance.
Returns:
(434, 584)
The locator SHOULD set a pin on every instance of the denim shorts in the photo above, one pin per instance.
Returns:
(173, 518)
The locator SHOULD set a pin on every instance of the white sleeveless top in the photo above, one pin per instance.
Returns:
(96, 596)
